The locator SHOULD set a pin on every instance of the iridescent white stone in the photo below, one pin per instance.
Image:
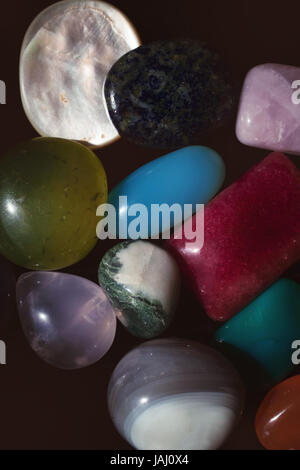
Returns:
(66, 54)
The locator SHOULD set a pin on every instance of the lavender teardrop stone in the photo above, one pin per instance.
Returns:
(68, 320)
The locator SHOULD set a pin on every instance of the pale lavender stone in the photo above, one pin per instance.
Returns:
(269, 111)
(68, 320)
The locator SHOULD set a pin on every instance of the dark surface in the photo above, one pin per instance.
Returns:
(45, 408)
(164, 94)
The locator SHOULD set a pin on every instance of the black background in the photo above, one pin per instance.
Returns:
(45, 408)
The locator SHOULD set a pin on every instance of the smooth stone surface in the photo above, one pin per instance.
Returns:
(191, 175)
(251, 236)
(67, 320)
(174, 394)
(66, 54)
(165, 93)
(49, 193)
(266, 329)
(269, 111)
(278, 417)
(143, 283)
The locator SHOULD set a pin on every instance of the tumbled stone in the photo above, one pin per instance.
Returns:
(67, 320)
(66, 55)
(269, 111)
(175, 394)
(49, 193)
(165, 93)
(277, 419)
(143, 283)
(251, 236)
(266, 329)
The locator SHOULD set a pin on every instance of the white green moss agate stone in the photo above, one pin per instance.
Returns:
(143, 283)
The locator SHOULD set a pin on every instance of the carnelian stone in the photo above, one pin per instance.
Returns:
(278, 417)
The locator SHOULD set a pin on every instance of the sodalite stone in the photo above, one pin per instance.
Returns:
(265, 330)
(143, 283)
(165, 93)
(191, 175)
(174, 394)
(269, 112)
(67, 320)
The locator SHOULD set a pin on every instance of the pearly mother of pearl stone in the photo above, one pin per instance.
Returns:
(175, 394)
(66, 54)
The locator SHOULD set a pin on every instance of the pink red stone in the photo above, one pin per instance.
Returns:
(269, 112)
(251, 236)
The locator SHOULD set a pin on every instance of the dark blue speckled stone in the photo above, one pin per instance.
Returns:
(164, 94)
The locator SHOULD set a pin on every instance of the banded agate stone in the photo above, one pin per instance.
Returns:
(175, 394)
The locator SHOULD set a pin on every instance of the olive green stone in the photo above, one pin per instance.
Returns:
(49, 193)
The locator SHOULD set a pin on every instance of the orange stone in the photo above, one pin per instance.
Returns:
(278, 417)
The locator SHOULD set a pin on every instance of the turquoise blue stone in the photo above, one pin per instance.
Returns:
(191, 175)
(265, 330)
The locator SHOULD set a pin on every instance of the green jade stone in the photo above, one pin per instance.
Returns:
(142, 282)
(264, 332)
(49, 193)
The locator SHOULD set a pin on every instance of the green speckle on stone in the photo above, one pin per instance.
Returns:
(143, 316)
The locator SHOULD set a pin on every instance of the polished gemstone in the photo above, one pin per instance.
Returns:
(165, 93)
(143, 283)
(269, 112)
(266, 329)
(191, 175)
(251, 236)
(66, 54)
(278, 417)
(175, 394)
(68, 320)
(49, 193)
